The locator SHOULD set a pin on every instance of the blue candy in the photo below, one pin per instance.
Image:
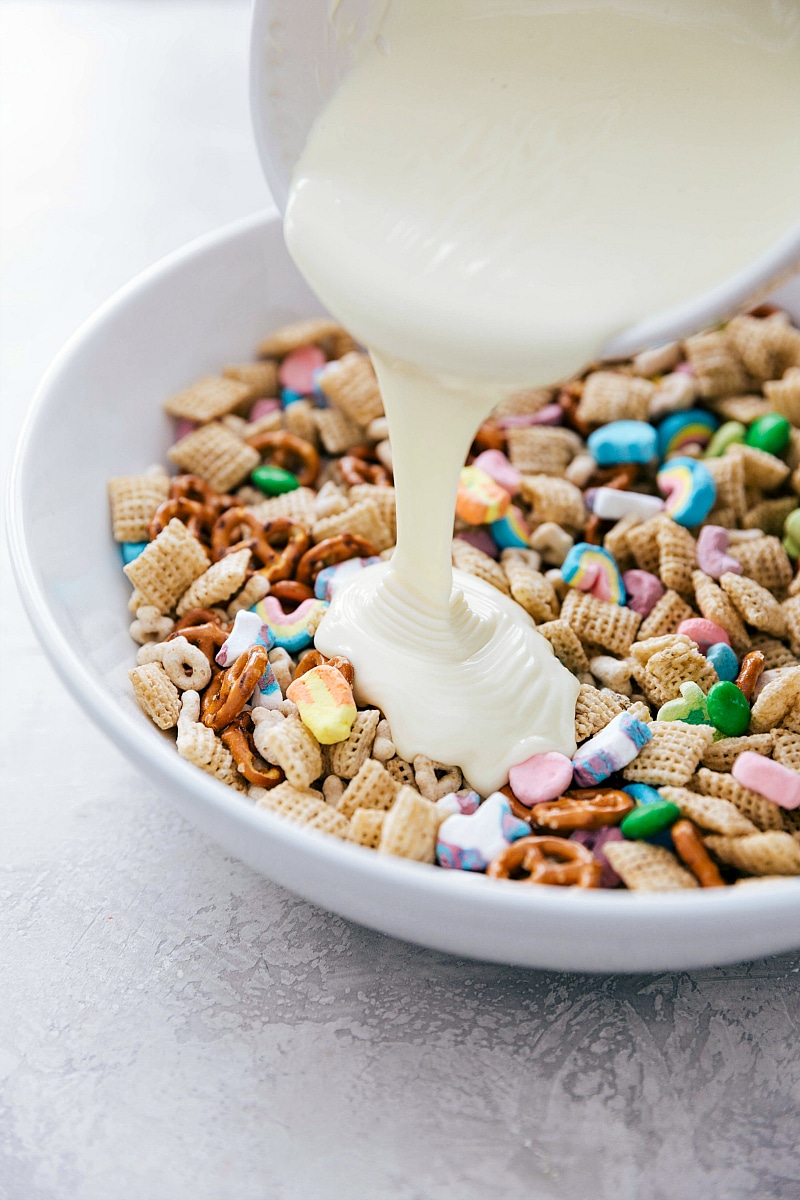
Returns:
(132, 550)
(623, 442)
(642, 793)
(723, 660)
(681, 429)
(289, 397)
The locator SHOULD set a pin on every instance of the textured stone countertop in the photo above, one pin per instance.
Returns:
(173, 1026)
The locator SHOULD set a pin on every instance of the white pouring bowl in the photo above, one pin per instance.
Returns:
(97, 414)
(299, 53)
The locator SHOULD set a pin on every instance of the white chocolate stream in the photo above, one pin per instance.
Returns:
(494, 190)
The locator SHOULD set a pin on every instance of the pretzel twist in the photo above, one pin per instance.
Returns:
(287, 450)
(230, 690)
(550, 860)
(332, 550)
(582, 808)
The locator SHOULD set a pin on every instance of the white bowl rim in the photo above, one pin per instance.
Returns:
(431, 883)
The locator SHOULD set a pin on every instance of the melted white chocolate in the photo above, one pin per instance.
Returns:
(493, 191)
(458, 669)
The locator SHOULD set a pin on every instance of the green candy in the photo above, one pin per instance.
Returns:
(791, 526)
(273, 481)
(728, 708)
(791, 547)
(770, 432)
(648, 819)
(727, 435)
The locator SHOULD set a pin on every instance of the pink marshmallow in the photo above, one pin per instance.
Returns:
(541, 777)
(495, 464)
(551, 414)
(712, 543)
(770, 779)
(263, 408)
(296, 372)
(704, 633)
(643, 589)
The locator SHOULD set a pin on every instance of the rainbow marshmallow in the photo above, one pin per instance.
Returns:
(682, 429)
(268, 691)
(330, 579)
(325, 703)
(480, 500)
(511, 532)
(290, 630)
(592, 569)
(689, 489)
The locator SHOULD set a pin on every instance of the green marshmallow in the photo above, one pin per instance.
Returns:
(729, 434)
(273, 481)
(728, 709)
(770, 432)
(791, 526)
(791, 547)
(648, 819)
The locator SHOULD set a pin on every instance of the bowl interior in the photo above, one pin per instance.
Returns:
(98, 413)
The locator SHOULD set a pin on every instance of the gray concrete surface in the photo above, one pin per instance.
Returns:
(172, 1026)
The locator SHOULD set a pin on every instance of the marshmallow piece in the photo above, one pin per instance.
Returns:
(770, 779)
(248, 630)
(541, 777)
(495, 464)
(712, 542)
(470, 842)
(613, 503)
(480, 500)
(465, 802)
(643, 589)
(325, 703)
(610, 750)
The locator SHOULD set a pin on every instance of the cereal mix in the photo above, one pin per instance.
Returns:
(668, 587)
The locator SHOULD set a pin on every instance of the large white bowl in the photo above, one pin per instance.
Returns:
(97, 414)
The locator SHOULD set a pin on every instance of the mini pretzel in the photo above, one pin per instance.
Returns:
(489, 437)
(196, 517)
(582, 808)
(749, 672)
(287, 450)
(620, 477)
(551, 860)
(313, 658)
(209, 636)
(356, 470)
(238, 737)
(690, 849)
(192, 487)
(332, 550)
(198, 616)
(278, 546)
(593, 532)
(569, 399)
(228, 693)
(289, 591)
